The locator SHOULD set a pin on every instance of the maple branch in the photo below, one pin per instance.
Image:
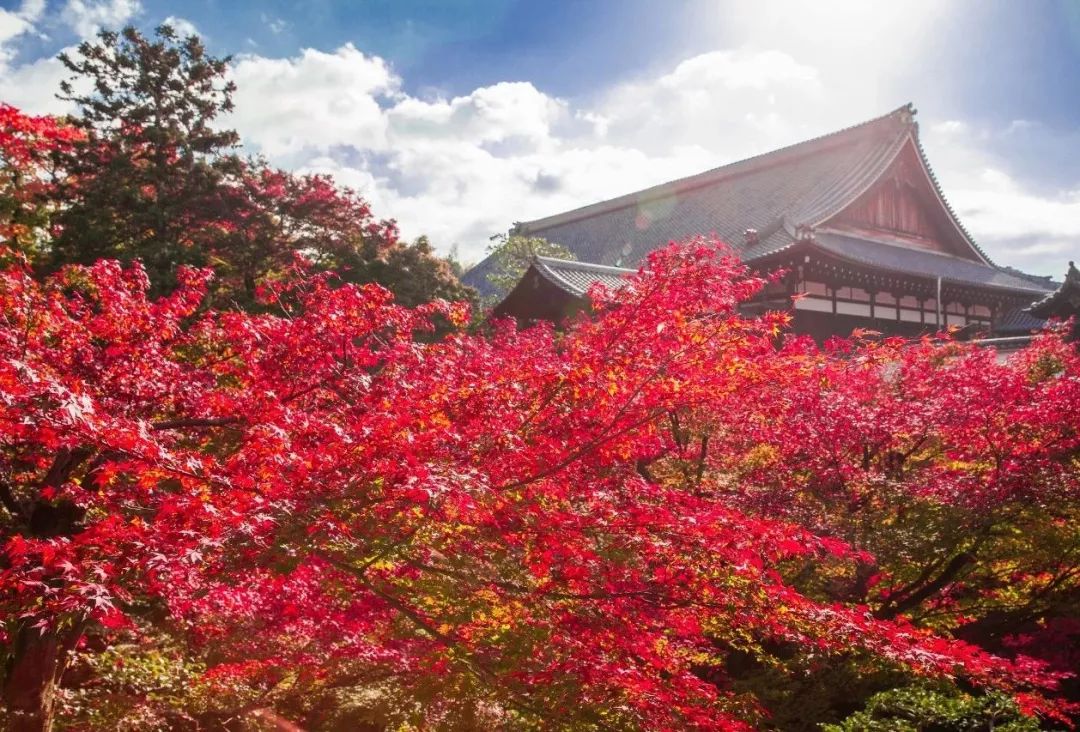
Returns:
(385, 552)
(642, 467)
(600, 439)
(631, 398)
(176, 424)
(891, 609)
(63, 465)
(616, 337)
(702, 458)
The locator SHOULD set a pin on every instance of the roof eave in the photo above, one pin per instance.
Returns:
(963, 283)
(810, 245)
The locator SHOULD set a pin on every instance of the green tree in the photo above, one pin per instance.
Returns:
(510, 255)
(146, 181)
(413, 272)
(936, 707)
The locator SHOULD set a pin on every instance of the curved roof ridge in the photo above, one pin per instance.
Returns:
(583, 266)
(902, 115)
(852, 185)
(1043, 308)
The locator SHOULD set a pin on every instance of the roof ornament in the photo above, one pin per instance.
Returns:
(750, 237)
(907, 113)
(804, 232)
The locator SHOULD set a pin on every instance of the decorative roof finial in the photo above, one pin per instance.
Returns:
(804, 232)
(750, 236)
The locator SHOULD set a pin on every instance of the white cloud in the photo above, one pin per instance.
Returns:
(1034, 229)
(952, 127)
(733, 103)
(33, 86)
(1022, 226)
(313, 101)
(182, 26)
(87, 17)
(464, 167)
(1019, 227)
(504, 111)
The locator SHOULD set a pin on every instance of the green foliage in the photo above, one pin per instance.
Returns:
(413, 272)
(512, 255)
(136, 685)
(800, 691)
(924, 707)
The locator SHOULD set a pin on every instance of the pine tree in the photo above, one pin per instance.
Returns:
(146, 182)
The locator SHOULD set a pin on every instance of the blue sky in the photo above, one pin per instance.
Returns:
(458, 118)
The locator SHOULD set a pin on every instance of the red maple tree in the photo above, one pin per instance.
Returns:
(27, 173)
(547, 527)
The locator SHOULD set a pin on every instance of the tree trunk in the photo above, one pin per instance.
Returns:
(34, 672)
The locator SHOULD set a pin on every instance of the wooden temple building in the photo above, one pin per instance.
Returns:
(856, 218)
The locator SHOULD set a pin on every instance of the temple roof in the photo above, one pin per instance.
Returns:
(575, 278)
(806, 183)
(795, 200)
(555, 289)
(1018, 320)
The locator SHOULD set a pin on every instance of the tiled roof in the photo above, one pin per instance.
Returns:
(770, 193)
(1018, 320)
(1062, 300)
(925, 263)
(577, 277)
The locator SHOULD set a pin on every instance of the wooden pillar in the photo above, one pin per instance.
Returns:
(942, 318)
